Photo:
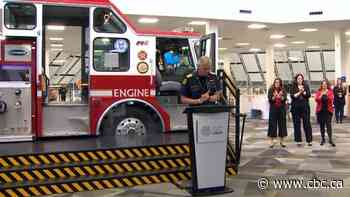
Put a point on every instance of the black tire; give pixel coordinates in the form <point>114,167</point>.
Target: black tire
<point>148,120</point>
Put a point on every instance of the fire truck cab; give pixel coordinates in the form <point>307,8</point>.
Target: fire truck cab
<point>74,67</point>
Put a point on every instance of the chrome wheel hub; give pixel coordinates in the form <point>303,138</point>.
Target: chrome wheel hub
<point>131,126</point>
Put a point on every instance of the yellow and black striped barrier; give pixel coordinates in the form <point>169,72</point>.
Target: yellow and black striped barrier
<point>89,185</point>
<point>88,169</point>
<point>75,171</point>
<point>97,155</point>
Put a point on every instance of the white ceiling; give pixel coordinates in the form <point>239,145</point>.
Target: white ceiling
<point>237,31</point>
<point>272,11</point>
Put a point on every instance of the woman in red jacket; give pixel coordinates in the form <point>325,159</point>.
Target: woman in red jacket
<point>324,109</point>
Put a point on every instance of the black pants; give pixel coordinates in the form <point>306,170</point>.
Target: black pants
<point>325,120</point>
<point>304,114</point>
<point>277,119</point>
<point>339,112</point>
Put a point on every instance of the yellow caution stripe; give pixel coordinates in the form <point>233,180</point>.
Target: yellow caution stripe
<point>59,188</point>
<point>97,155</point>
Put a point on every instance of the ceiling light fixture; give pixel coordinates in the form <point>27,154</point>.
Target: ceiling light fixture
<point>347,33</point>
<point>56,45</point>
<point>256,26</point>
<point>277,36</point>
<point>222,49</point>
<point>291,58</point>
<point>308,29</point>
<point>55,39</point>
<point>298,42</point>
<point>56,27</point>
<point>314,47</point>
<point>148,20</point>
<point>198,23</point>
<point>279,45</point>
<point>60,61</point>
<point>242,44</point>
<point>254,50</point>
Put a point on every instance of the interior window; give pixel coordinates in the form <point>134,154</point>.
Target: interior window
<point>174,58</point>
<point>107,22</point>
<point>20,16</point>
<point>65,65</point>
<point>111,54</point>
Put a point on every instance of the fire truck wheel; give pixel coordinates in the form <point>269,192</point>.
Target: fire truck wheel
<point>135,122</point>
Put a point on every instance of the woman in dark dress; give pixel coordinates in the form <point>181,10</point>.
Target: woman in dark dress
<point>339,93</point>
<point>300,109</point>
<point>277,118</point>
<point>324,110</point>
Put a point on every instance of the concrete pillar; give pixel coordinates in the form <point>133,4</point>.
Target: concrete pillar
<point>269,66</point>
<point>340,54</point>
<point>212,27</point>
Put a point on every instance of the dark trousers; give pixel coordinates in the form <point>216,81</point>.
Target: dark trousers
<point>304,114</point>
<point>339,112</point>
<point>325,120</point>
<point>277,119</point>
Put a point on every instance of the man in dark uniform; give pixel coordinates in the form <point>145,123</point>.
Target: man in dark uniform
<point>201,87</point>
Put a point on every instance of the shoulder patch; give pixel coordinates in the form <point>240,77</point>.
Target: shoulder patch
<point>189,75</point>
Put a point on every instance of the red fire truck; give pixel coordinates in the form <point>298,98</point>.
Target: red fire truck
<point>79,67</point>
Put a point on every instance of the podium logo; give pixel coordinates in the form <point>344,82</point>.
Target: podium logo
<point>211,131</point>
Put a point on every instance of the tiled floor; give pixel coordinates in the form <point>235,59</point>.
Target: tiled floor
<point>258,160</point>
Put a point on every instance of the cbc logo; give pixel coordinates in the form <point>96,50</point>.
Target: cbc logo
<point>263,183</point>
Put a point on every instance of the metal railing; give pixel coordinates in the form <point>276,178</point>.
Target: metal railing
<point>230,89</point>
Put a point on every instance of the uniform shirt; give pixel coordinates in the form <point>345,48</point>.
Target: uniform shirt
<point>193,86</point>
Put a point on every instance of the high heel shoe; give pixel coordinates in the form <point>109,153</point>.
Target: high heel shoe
<point>282,145</point>
<point>332,144</point>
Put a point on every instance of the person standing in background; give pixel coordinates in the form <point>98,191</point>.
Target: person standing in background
<point>277,117</point>
<point>324,110</point>
<point>339,92</point>
<point>300,109</point>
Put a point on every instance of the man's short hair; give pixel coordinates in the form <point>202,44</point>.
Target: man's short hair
<point>204,60</point>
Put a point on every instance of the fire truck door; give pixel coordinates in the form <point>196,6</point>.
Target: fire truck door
<point>208,48</point>
<point>64,105</point>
